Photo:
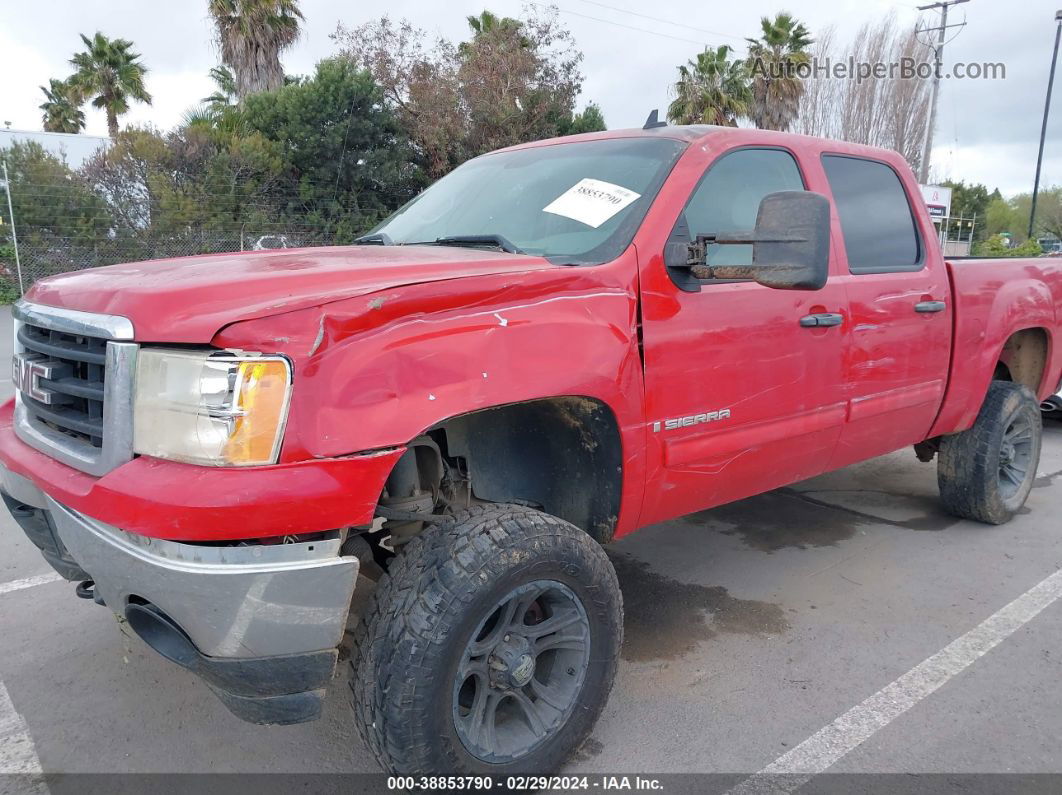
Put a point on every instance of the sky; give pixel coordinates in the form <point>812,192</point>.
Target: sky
<point>987,131</point>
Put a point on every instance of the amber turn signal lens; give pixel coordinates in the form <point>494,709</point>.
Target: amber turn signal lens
<point>260,408</point>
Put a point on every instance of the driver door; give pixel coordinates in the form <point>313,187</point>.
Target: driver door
<point>740,397</point>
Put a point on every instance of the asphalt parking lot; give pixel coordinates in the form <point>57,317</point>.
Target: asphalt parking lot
<point>750,629</point>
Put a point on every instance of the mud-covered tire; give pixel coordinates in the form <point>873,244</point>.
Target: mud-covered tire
<point>973,474</point>
<point>434,601</point>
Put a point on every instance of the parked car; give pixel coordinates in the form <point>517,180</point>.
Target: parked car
<point>268,242</point>
<point>554,345</point>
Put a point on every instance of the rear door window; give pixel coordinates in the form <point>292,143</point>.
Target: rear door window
<point>876,218</point>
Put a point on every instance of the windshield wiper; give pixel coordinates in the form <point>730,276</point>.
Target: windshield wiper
<point>477,241</point>
<point>377,239</point>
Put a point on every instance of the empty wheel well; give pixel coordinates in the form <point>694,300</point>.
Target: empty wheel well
<point>1023,358</point>
<point>561,454</point>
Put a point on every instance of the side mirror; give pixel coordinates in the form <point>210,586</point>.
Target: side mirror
<point>790,245</point>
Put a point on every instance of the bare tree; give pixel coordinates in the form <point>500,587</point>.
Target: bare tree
<point>515,80</point>
<point>890,111</point>
<point>419,79</point>
<point>820,103</point>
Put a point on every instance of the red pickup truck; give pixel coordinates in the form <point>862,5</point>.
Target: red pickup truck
<point>551,347</point>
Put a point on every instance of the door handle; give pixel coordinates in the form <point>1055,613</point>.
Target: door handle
<point>929,307</point>
<point>821,319</point>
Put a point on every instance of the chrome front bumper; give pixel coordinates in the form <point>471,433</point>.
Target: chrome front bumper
<point>245,601</point>
<point>236,604</point>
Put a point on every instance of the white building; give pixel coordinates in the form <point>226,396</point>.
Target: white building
<point>75,149</point>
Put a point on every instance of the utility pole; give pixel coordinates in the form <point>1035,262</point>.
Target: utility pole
<point>14,237</point>
<point>1043,127</point>
<point>938,60</point>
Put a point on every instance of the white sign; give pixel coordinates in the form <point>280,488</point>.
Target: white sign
<point>937,199</point>
<point>591,201</point>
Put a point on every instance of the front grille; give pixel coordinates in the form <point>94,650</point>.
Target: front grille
<point>70,400</point>
<point>74,373</point>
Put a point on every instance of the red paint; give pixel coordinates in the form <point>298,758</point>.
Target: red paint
<point>167,499</point>
<point>188,299</point>
<point>388,341</point>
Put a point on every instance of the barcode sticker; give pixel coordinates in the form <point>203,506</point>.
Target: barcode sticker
<point>591,201</point>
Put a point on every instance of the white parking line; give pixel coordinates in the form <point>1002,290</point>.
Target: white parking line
<point>28,582</point>
<point>817,753</point>
<point>18,755</point>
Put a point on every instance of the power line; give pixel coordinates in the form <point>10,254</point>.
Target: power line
<point>621,25</point>
<point>683,25</point>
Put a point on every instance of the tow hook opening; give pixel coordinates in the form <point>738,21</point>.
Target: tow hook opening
<point>162,633</point>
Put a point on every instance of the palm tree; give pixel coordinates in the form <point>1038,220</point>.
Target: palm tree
<point>62,107</point>
<point>251,36</point>
<point>488,21</point>
<point>111,73</point>
<point>488,24</point>
<point>773,61</point>
<point>711,90</point>
<point>225,94</point>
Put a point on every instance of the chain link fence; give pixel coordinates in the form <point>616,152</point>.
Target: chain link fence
<point>54,219</point>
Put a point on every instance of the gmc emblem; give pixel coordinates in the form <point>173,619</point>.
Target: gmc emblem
<point>27,372</point>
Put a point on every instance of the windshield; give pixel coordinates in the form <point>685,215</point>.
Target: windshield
<point>577,203</point>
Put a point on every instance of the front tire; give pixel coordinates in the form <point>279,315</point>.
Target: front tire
<point>488,648</point>
<point>985,473</point>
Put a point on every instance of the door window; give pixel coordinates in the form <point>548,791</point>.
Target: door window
<point>729,195</point>
<point>876,218</point>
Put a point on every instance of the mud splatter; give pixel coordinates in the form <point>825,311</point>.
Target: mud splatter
<point>665,618</point>
<point>588,750</point>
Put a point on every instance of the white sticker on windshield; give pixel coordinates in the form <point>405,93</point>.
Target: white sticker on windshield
<point>591,201</point>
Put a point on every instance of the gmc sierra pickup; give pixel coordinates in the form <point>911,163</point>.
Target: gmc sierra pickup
<point>552,346</point>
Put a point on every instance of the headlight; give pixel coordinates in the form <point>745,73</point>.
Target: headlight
<point>206,407</point>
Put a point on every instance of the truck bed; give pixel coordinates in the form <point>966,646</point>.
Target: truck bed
<point>994,298</point>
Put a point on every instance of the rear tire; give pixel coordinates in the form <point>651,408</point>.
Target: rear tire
<point>985,473</point>
<point>506,615</point>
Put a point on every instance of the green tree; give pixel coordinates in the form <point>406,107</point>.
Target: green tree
<point>251,35</point>
<point>55,209</point>
<point>1048,211</point>
<point>1000,216</point>
<point>111,73</point>
<point>488,21</point>
<point>62,107</point>
<point>970,201</point>
<point>9,290</point>
<point>225,95</point>
<point>346,158</point>
<point>590,120</point>
<point>128,174</point>
<point>220,110</point>
<point>513,81</point>
<point>773,60</point>
<point>996,246</point>
<point>488,24</point>
<point>712,89</point>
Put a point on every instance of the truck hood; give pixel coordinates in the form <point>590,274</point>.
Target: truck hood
<point>190,299</point>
